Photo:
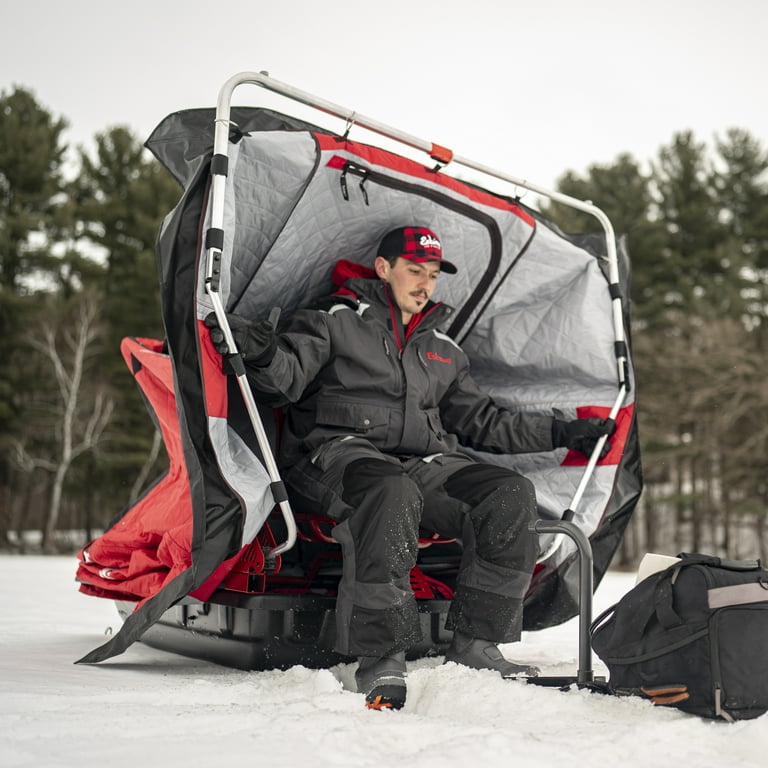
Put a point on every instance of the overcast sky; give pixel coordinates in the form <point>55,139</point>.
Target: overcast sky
<point>533,89</point>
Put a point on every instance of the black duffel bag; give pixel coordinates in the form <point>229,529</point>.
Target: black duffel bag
<point>693,636</point>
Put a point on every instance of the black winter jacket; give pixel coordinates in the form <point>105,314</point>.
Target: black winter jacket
<point>350,368</point>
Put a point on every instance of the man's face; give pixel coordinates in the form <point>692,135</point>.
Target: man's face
<point>411,284</point>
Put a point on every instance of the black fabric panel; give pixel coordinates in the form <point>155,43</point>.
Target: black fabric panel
<point>555,598</point>
<point>183,140</point>
<point>217,516</point>
<point>484,615</point>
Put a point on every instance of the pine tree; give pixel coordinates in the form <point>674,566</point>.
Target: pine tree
<point>31,184</point>
<point>742,191</point>
<point>622,191</point>
<point>122,196</point>
<point>31,156</point>
<point>696,270</point>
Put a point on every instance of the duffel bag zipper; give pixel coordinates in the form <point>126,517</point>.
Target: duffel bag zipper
<point>714,650</point>
<point>714,662</point>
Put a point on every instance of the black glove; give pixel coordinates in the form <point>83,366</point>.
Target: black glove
<point>256,342</point>
<point>582,434</point>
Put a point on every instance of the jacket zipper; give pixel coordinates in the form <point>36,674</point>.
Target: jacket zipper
<point>395,321</point>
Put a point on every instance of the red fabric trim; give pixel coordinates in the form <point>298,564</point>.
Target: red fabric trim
<point>216,403</point>
<point>418,317</point>
<point>344,270</point>
<point>217,406</point>
<point>618,439</point>
<point>211,584</point>
<point>150,545</point>
<point>337,162</point>
<point>390,161</point>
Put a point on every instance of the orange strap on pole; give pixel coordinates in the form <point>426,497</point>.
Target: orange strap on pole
<point>441,154</point>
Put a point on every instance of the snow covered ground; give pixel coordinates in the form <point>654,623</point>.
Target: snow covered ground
<point>150,708</point>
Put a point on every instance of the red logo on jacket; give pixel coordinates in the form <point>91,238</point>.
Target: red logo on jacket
<point>434,356</point>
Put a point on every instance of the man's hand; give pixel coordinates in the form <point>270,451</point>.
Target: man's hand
<point>256,342</point>
<point>582,434</point>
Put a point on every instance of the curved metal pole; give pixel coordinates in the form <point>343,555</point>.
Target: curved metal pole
<point>435,151</point>
<point>569,513</point>
<point>584,672</point>
<point>277,488</point>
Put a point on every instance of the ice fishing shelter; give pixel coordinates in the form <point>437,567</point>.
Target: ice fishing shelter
<point>271,205</point>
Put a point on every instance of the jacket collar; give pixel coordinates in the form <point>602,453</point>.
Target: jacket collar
<point>376,293</point>
<point>358,283</point>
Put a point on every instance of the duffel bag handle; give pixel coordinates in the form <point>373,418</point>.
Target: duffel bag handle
<point>663,594</point>
<point>660,603</point>
<point>687,558</point>
<point>605,616</point>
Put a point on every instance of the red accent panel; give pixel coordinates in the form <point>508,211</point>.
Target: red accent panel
<point>426,587</point>
<point>390,161</point>
<point>245,572</point>
<point>337,162</point>
<point>617,441</point>
<point>215,380</point>
<point>150,545</point>
<point>344,269</point>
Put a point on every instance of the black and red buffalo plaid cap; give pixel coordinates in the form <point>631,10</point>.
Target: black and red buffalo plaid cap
<point>417,244</point>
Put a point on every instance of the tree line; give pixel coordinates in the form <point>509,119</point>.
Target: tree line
<point>78,273</point>
<point>697,226</point>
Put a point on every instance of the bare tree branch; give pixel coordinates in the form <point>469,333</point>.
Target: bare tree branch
<point>82,418</point>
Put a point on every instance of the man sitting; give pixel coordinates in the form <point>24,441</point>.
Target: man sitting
<point>378,400</point>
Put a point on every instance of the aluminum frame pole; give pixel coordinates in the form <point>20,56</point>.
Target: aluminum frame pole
<point>441,155</point>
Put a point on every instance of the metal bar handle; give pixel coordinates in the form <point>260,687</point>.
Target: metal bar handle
<point>584,673</point>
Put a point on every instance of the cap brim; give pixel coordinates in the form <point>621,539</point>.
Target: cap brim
<point>445,266</point>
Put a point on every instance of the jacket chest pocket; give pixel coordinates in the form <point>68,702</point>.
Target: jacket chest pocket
<point>433,372</point>
<point>356,418</point>
<point>435,422</point>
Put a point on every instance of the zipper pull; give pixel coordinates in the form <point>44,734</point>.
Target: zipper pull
<point>363,190</point>
<point>719,711</point>
<point>343,182</point>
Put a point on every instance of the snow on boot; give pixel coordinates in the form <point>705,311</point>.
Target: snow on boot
<point>483,654</point>
<point>382,680</point>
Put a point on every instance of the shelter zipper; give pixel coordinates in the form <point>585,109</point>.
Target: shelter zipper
<point>358,170</point>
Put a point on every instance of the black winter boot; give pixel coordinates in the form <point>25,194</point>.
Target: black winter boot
<point>382,680</point>
<point>483,654</point>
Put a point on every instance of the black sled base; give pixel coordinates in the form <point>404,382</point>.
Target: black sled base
<point>260,632</point>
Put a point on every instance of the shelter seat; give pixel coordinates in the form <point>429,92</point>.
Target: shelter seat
<point>319,527</point>
<point>252,573</point>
